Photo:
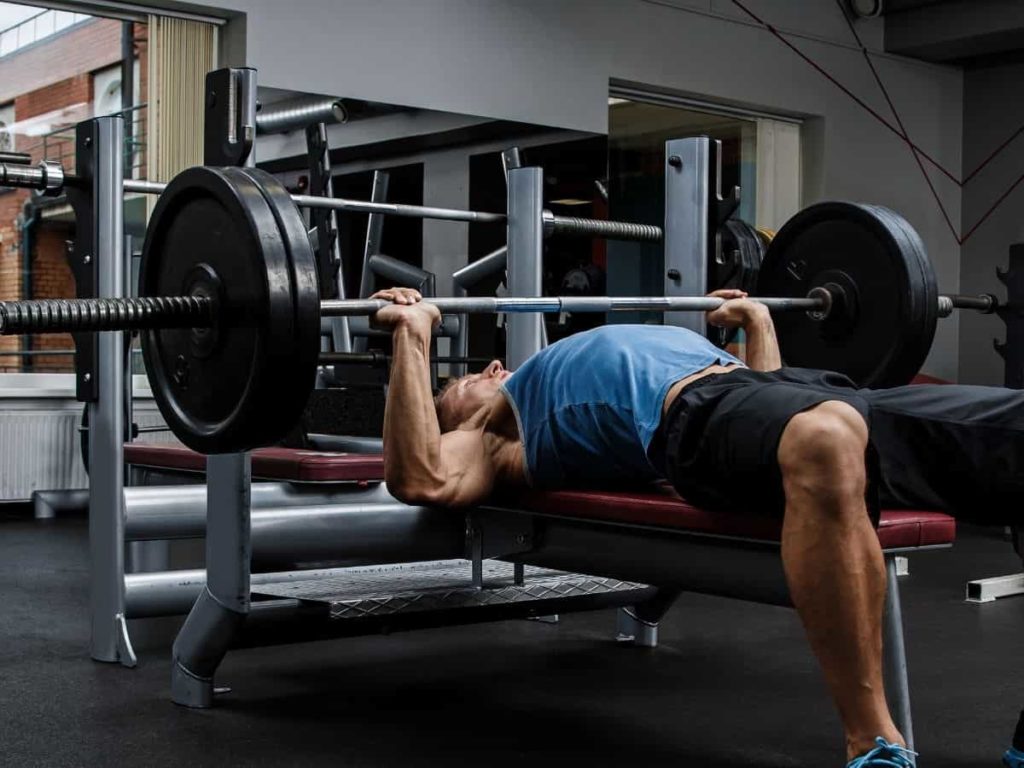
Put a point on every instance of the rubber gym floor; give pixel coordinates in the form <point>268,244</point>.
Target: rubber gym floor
<point>732,684</point>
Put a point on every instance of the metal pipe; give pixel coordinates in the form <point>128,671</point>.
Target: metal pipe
<point>290,539</point>
<point>398,271</point>
<point>609,230</point>
<point>47,177</point>
<point>377,357</point>
<point>525,237</point>
<point>485,266</point>
<point>49,504</point>
<point>555,304</point>
<point>172,593</point>
<point>221,607</point>
<point>144,187</point>
<point>985,303</point>
<point>109,640</point>
<point>179,511</point>
<point>552,224</point>
<point>300,113</point>
<point>76,315</point>
<point>397,209</point>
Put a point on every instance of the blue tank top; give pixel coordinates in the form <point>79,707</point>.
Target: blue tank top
<point>589,405</point>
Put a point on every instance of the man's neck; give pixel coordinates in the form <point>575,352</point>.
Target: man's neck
<point>497,420</point>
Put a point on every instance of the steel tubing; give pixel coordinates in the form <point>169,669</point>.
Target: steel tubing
<point>610,230</point>
<point>301,112</point>
<point>72,315</point>
<point>76,315</point>
<point>290,539</point>
<point>485,266</point>
<point>986,303</point>
<point>397,209</point>
<point>554,304</point>
<point>179,511</point>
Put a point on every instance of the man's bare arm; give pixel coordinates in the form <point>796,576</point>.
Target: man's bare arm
<point>762,345</point>
<point>740,312</point>
<point>422,466</point>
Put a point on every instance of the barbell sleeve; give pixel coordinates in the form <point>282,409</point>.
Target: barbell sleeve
<point>609,230</point>
<point>47,177</point>
<point>84,315</point>
<point>985,303</point>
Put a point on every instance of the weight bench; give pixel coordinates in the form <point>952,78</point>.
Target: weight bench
<point>651,542</point>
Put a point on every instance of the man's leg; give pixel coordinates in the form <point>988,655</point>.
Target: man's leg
<point>834,564</point>
<point>955,448</point>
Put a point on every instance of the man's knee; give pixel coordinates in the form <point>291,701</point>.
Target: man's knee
<point>822,451</point>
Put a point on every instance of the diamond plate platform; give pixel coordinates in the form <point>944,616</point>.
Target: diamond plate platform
<point>389,591</point>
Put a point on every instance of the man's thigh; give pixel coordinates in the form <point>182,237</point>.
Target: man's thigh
<point>722,446</point>
<point>955,448</point>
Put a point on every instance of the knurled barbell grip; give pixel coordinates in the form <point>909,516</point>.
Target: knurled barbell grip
<point>610,230</point>
<point>84,315</point>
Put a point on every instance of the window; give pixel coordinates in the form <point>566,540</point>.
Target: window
<point>760,154</point>
<point>41,102</point>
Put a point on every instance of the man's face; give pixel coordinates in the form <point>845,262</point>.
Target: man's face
<point>469,393</point>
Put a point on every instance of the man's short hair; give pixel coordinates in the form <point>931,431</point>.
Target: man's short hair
<point>445,419</point>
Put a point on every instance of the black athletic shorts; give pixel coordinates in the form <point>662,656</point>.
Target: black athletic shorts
<point>958,449</point>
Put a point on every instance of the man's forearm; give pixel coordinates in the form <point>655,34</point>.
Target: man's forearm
<point>412,437</point>
<point>762,346</point>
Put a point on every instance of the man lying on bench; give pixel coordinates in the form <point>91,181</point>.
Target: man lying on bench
<point>634,403</point>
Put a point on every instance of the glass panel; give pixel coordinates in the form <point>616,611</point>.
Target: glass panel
<point>637,132</point>
<point>35,247</point>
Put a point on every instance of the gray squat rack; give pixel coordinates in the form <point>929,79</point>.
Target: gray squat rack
<point>118,515</point>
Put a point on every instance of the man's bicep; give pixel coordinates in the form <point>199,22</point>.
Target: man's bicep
<point>468,467</point>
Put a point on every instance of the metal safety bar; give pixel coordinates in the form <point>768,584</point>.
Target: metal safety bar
<point>986,303</point>
<point>49,178</point>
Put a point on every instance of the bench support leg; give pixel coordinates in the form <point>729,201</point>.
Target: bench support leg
<point>897,687</point>
<point>638,624</point>
<point>222,607</point>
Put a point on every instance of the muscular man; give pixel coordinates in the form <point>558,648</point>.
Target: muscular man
<point>634,403</point>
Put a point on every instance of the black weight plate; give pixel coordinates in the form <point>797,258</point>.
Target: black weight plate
<point>741,251</point>
<point>213,232</point>
<point>917,346</point>
<point>882,337</point>
<point>296,384</point>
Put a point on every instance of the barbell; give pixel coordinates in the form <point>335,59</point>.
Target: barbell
<point>229,307</point>
<point>49,178</point>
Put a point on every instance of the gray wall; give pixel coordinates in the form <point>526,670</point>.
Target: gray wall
<point>993,111</point>
<point>550,62</point>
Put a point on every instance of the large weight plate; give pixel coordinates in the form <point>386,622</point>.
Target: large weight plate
<point>299,382</point>
<point>213,231</point>
<point>881,335</point>
<point>735,265</point>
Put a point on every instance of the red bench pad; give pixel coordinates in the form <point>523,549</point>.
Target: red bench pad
<point>659,506</point>
<point>290,464</point>
<point>664,508</point>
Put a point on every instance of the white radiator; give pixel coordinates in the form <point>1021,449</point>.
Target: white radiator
<point>39,437</point>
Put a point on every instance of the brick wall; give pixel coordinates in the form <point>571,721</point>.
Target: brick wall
<point>63,93</point>
<point>52,279</point>
<point>141,34</point>
<point>52,75</point>
<point>87,47</point>
<point>10,267</point>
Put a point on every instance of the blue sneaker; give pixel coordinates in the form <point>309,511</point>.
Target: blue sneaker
<point>1013,758</point>
<point>887,755</point>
